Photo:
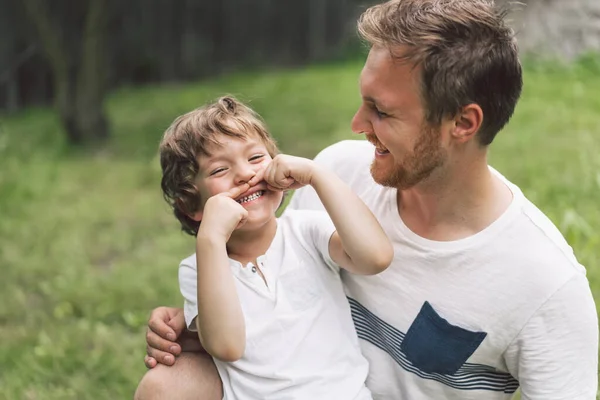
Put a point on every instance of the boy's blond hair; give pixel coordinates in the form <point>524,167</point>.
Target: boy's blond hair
<point>190,136</point>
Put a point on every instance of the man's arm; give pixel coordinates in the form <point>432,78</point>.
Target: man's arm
<point>555,356</point>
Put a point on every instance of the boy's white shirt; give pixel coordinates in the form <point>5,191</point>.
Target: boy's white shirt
<point>517,281</point>
<point>301,342</point>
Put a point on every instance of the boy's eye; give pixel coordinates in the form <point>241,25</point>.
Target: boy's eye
<point>216,171</point>
<point>256,157</point>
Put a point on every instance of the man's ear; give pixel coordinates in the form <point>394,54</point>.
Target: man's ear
<point>467,122</point>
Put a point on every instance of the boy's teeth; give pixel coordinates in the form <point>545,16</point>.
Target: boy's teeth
<point>253,196</point>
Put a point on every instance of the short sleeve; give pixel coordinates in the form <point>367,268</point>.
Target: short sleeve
<point>323,229</point>
<point>316,229</point>
<point>188,285</point>
<point>555,356</point>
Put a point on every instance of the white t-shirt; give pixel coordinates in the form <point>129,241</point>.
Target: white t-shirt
<point>473,318</point>
<point>300,340</point>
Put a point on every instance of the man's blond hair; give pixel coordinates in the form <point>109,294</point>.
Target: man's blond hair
<point>464,50</point>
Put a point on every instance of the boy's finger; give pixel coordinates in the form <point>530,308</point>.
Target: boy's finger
<point>270,173</point>
<point>260,175</point>
<point>284,182</point>
<point>237,191</point>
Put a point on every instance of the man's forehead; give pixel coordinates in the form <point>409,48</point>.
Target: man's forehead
<point>383,75</point>
<point>373,81</point>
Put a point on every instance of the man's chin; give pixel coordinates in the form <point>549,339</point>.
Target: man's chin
<point>388,177</point>
<point>382,176</point>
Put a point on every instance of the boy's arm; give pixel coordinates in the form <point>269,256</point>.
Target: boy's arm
<point>220,320</point>
<point>359,245</point>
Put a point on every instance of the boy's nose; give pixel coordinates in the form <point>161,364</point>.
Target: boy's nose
<point>245,175</point>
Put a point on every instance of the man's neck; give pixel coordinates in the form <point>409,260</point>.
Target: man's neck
<point>455,203</point>
<point>246,245</point>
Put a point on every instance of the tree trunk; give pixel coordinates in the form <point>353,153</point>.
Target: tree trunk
<point>79,79</point>
<point>91,87</point>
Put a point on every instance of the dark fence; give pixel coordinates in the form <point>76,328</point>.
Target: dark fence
<point>173,40</point>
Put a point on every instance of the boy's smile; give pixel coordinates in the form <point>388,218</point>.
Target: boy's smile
<point>252,195</point>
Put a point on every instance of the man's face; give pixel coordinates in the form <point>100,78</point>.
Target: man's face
<point>392,118</point>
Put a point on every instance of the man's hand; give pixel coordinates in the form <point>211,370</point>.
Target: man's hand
<point>164,328</point>
<point>289,172</point>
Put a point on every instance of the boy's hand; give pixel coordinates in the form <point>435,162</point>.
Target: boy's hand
<point>289,172</point>
<point>222,214</point>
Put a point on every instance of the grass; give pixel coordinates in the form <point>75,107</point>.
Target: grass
<point>88,247</point>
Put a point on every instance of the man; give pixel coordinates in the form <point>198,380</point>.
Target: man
<point>484,295</point>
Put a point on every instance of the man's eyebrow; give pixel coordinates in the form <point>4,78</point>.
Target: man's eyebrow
<point>377,104</point>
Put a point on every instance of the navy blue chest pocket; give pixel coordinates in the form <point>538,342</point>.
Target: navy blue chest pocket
<point>433,345</point>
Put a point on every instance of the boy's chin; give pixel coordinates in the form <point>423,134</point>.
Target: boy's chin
<point>258,220</point>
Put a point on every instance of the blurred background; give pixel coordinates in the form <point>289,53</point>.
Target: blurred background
<point>87,245</point>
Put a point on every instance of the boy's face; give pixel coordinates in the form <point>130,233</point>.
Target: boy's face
<point>232,164</point>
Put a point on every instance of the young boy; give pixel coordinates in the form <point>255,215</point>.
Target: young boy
<point>264,294</point>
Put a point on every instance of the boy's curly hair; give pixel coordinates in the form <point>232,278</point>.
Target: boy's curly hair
<point>188,137</point>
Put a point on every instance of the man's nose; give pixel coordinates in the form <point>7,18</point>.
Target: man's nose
<point>360,124</point>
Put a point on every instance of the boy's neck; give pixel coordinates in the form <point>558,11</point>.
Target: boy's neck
<point>246,245</point>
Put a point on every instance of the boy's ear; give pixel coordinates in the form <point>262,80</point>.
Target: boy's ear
<point>197,216</point>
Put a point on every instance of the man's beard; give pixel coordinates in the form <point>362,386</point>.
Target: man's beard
<point>414,167</point>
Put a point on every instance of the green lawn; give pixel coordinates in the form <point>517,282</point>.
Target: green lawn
<point>88,247</point>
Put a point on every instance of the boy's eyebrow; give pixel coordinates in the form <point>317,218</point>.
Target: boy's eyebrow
<point>212,158</point>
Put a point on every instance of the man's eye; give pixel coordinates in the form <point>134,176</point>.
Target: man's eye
<point>379,113</point>
<point>256,157</point>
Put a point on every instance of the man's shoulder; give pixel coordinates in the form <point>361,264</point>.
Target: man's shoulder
<point>542,242</point>
<point>300,216</point>
<point>346,152</point>
<point>303,222</point>
<point>548,243</point>
<point>349,159</point>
